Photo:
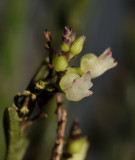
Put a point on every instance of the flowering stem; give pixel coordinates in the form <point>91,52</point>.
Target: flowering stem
<point>47,36</point>
<point>62,119</point>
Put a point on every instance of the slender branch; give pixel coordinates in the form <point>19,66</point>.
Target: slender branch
<point>47,36</point>
<point>62,119</point>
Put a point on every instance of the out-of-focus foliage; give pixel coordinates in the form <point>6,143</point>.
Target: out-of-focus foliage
<point>107,117</point>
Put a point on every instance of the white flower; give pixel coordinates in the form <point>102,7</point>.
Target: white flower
<point>97,65</point>
<point>76,87</point>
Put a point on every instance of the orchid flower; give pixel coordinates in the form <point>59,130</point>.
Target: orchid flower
<point>76,87</point>
<point>97,65</point>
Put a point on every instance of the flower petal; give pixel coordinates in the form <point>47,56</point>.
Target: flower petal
<point>67,79</point>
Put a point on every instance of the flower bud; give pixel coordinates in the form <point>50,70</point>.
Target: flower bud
<point>77,45</point>
<point>78,148</point>
<point>59,62</point>
<point>65,47</point>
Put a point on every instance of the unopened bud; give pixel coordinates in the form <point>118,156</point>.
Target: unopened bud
<point>78,148</point>
<point>65,47</point>
<point>77,45</point>
<point>59,62</point>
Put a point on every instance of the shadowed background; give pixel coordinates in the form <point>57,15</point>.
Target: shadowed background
<point>108,116</point>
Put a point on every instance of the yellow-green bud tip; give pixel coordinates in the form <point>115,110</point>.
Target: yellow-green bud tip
<point>64,47</point>
<point>77,45</point>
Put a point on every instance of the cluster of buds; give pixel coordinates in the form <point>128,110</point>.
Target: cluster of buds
<point>68,39</point>
<point>70,44</point>
<point>69,48</point>
<point>76,82</point>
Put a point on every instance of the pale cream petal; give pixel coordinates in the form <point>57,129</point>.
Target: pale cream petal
<point>67,79</point>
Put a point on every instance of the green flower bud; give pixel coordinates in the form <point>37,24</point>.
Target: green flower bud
<point>77,45</point>
<point>59,62</point>
<point>78,148</point>
<point>64,47</point>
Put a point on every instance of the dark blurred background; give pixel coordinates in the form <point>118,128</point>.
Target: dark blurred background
<point>108,116</point>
